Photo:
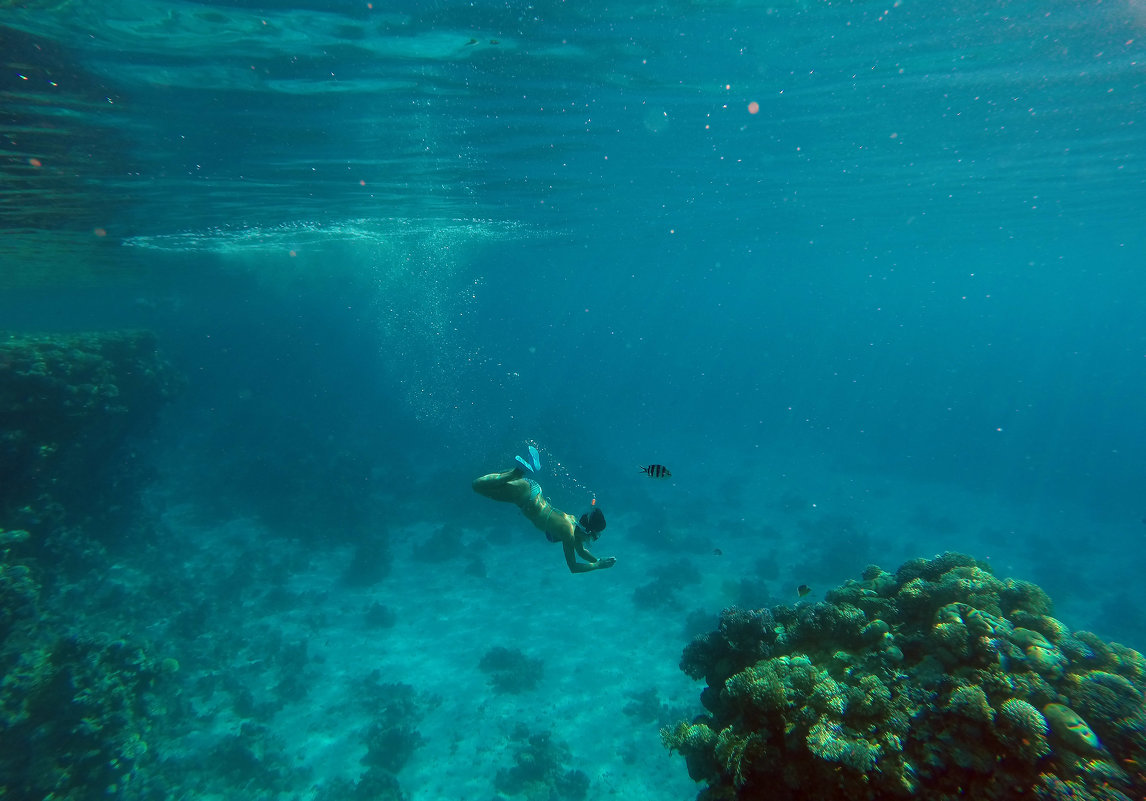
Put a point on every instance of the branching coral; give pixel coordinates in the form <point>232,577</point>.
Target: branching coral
<point>1024,729</point>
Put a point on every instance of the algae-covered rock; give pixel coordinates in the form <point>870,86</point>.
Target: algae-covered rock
<point>1069,727</point>
<point>1108,699</point>
<point>1046,660</point>
<point>971,702</point>
<point>10,538</point>
<point>984,699</point>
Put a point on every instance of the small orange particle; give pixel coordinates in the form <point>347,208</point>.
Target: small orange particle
<point>753,107</point>
<point>35,162</point>
<point>362,182</point>
<point>99,231</point>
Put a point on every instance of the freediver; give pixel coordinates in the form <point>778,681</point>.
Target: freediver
<point>515,486</point>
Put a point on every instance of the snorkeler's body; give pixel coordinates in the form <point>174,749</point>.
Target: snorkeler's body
<point>513,487</point>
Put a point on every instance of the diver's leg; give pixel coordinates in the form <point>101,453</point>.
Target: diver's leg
<point>509,486</point>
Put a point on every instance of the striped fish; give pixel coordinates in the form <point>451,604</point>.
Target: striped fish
<point>656,471</point>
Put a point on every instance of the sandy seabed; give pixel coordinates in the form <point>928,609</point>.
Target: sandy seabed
<point>597,647</point>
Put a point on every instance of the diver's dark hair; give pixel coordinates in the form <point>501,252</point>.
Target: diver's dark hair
<point>593,521</point>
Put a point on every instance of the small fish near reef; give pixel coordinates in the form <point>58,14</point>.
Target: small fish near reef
<point>803,590</point>
<point>656,471</point>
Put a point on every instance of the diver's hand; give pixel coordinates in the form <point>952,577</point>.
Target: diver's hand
<point>608,561</point>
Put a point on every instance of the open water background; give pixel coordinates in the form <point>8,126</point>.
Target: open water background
<point>884,257</point>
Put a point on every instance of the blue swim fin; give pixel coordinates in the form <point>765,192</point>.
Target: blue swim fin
<point>535,456</point>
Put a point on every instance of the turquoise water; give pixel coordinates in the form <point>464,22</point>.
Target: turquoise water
<point>868,277</point>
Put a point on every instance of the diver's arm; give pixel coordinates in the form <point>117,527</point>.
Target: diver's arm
<point>598,564</point>
<point>585,567</point>
<point>571,560</point>
<point>583,552</point>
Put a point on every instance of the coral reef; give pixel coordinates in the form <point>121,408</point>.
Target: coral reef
<point>395,709</point>
<point>68,404</point>
<point>389,746</point>
<point>939,681</point>
<point>369,563</point>
<point>78,715</point>
<point>391,738</point>
<point>668,579</point>
<point>443,545</point>
<point>646,706</point>
<point>379,616</point>
<point>510,671</point>
<point>79,711</point>
<point>374,785</point>
<point>19,596</point>
<point>251,758</point>
<point>539,770</point>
